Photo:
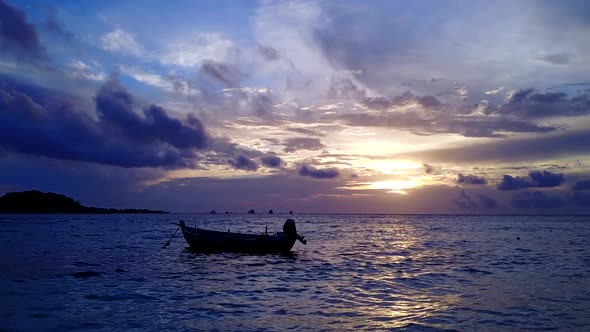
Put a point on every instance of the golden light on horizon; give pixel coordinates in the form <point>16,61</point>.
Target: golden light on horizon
<point>395,186</point>
<point>392,186</point>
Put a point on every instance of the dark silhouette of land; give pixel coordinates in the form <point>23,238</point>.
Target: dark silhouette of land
<point>38,202</point>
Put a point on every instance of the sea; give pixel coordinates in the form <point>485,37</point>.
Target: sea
<point>357,272</point>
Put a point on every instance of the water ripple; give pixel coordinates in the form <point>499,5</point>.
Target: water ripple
<point>403,273</point>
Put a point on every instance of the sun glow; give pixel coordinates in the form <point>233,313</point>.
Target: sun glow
<point>395,186</point>
<point>392,186</point>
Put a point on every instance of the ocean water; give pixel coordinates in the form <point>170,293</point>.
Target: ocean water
<point>357,272</point>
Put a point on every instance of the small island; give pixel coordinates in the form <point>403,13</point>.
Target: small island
<point>35,201</point>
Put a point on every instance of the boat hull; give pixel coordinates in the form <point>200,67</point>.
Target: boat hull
<point>213,241</point>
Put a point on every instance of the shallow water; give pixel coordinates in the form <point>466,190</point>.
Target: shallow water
<point>109,273</point>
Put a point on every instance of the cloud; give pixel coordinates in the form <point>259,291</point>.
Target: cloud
<point>199,48</point>
<point>38,122</point>
<point>328,173</point>
<point>81,70</point>
<point>305,131</point>
<point>556,58</point>
<point>154,80</point>
<point>225,73</point>
<point>529,104</point>
<point>17,36</point>
<point>536,200</point>
<point>429,102</point>
<point>121,41</point>
<point>428,169</point>
<point>486,202</point>
<point>55,26</point>
<point>468,126</point>
<point>269,53</point>
<point>271,161</point>
<point>511,150</point>
<point>470,179</point>
<point>427,115</point>
<point>115,110</point>
<point>302,143</point>
<point>344,87</point>
<point>464,201</point>
<point>582,185</point>
<point>513,183</point>
<point>537,179</point>
<point>244,163</point>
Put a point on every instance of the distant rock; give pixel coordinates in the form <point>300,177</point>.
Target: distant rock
<point>251,212</point>
<point>270,211</point>
<point>290,212</point>
<point>212,212</point>
<point>35,201</point>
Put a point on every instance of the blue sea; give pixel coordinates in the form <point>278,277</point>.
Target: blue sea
<point>357,272</point>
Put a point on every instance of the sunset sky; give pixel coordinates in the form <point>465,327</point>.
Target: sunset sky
<point>327,106</point>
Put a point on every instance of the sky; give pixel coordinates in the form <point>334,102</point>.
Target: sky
<point>319,107</point>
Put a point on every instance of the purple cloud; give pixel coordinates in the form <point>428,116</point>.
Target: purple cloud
<point>470,179</point>
<point>328,173</point>
<point>17,36</point>
<point>271,161</point>
<point>536,179</point>
<point>38,122</point>
<point>244,163</point>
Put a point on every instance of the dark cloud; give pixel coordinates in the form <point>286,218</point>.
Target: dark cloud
<point>305,131</point>
<point>115,105</point>
<point>468,126</point>
<point>39,122</point>
<point>536,179</point>
<point>429,102</point>
<point>580,199</point>
<point>302,143</point>
<point>228,75</point>
<point>470,179</point>
<point>434,117</point>
<point>537,200</point>
<point>344,87</point>
<point>428,169</point>
<point>386,103</point>
<point>327,173</point>
<point>511,150</point>
<point>262,104</point>
<point>486,202</point>
<point>269,53</point>
<point>546,179</point>
<point>556,58</point>
<point>529,104</point>
<point>271,161</point>
<point>17,36</point>
<point>464,201</point>
<point>514,183</point>
<point>244,163</point>
<point>582,185</point>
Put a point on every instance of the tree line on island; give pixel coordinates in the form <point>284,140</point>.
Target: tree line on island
<point>34,201</point>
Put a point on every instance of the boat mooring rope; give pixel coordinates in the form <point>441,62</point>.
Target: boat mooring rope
<point>168,243</point>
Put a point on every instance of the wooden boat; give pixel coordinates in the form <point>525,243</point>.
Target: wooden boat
<point>215,241</point>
